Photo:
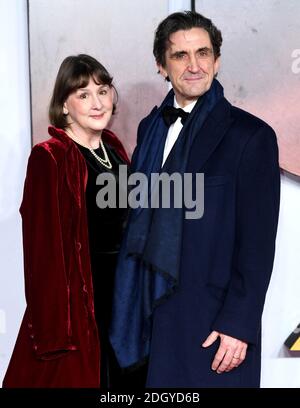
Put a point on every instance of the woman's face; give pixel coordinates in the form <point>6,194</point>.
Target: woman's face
<point>89,109</point>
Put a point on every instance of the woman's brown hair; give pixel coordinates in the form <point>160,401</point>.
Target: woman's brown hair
<point>74,73</point>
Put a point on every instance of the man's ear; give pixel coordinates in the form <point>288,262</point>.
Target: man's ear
<point>217,64</point>
<point>161,70</point>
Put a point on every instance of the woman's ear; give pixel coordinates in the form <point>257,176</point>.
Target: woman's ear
<point>65,109</point>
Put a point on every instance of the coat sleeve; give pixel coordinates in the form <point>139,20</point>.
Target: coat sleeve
<point>135,154</point>
<point>258,196</point>
<point>143,125</point>
<point>46,285</point>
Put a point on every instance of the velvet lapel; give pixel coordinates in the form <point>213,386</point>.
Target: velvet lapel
<point>75,167</point>
<point>111,139</point>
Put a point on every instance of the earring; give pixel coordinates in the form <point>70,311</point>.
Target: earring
<point>65,111</point>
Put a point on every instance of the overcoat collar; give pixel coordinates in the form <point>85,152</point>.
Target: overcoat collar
<point>212,132</point>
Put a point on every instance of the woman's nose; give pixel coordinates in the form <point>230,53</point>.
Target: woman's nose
<point>96,102</point>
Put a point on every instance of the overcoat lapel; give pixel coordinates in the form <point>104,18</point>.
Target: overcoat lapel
<point>211,134</point>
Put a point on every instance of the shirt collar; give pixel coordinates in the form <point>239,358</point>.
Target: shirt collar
<point>187,108</point>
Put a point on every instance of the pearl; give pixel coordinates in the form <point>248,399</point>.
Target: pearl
<point>105,162</point>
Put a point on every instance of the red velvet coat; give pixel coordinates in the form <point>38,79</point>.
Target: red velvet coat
<point>58,343</point>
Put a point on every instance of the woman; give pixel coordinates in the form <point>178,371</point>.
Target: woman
<point>70,245</point>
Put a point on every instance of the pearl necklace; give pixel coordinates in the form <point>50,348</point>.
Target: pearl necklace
<point>105,162</point>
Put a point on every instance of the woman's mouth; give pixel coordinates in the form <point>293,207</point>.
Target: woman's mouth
<point>97,117</point>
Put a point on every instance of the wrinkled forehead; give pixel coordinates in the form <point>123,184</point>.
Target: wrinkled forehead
<point>189,39</point>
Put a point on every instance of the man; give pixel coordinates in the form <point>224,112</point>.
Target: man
<point>190,292</point>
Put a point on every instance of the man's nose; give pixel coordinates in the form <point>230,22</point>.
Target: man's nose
<point>193,64</point>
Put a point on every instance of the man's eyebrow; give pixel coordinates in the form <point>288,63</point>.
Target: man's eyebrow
<point>204,49</point>
<point>178,52</point>
<point>185,52</point>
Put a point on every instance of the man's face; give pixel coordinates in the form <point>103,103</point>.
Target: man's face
<point>190,64</point>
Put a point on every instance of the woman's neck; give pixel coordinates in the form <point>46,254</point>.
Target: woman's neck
<point>87,139</point>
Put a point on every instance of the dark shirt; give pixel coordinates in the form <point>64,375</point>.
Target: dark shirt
<point>105,225</point>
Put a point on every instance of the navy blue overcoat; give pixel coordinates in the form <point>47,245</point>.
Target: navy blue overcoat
<point>227,255</point>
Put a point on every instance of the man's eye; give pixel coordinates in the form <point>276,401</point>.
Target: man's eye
<point>179,55</point>
<point>205,53</point>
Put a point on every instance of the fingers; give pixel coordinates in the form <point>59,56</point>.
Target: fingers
<point>218,358</point>
<point>231,352</point>
<point>244,351</point>
<point>211,339</point>
<point>235,362</point>
<point>230,355</point>
<point>225,363</point>
<point>237,358</point>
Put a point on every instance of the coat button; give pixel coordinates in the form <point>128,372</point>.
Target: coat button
<point>32,336</point>
<point>29,326</point>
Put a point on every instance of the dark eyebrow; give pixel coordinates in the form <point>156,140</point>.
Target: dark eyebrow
<point>100,87</point>
<point>204,49</point>
<point>173,54</point>
<point>182,52</point>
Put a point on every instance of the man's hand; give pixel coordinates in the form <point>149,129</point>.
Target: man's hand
<point>231,352</point>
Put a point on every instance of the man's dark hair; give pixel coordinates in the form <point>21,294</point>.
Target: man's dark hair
<point>183,21</point>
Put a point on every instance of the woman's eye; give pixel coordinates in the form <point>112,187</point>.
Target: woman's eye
<point>103,91</point>
<point>83,96</point>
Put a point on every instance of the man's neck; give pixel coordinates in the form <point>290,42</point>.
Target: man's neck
<point>186,108</point>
